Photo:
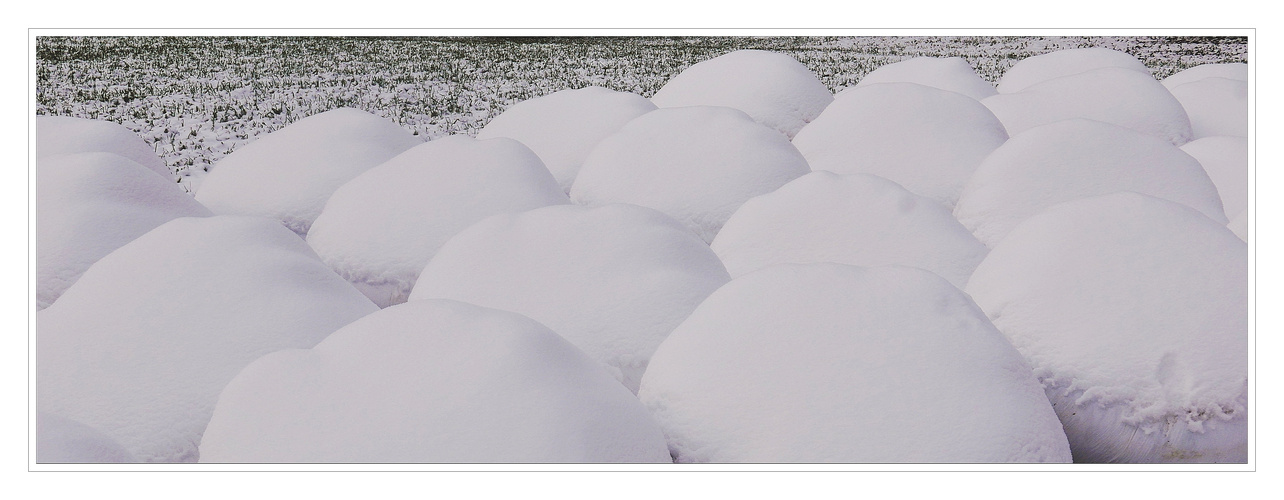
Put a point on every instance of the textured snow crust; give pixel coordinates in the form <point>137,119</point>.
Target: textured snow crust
<point>1132,311</point>
<point>1233,71</point>
<point>926,139</point>
<point>431,381</point>
<point>289,174</point>
<point>1226,161</point>
<point>613,280</point>
<point>57,135</point>
<point>1216,106</point>
<point>563,127</point>
<point>60,440</point>
<point>945,73</point>
<point>140,347</point>
<point>380,229</point>
<point>1041,68</point>
<point>772,88</point>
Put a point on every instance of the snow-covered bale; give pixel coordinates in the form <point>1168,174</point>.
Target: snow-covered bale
<point>926,139</point>
<point>380,229</point>
<point>696,164</point>
<point>289,174</point>
<point>1132,311</point>
<point>833,363</point>
<point>946,73</point>
<point>773,88</point>
<point>56,135</point>
<point>1216,106</point>
<point>1114,95</point>
<point>858,219</point>
<point>140,347</point>
<point>90,204</point>
<point>1233,71</point>
<point>60,440</point>
<point>563,127</point>
<point>1226,161</point>
<point>1041,68</point>
<point>1074,159</point>
<point>1239,225</point>
<point>431,381</point>
<point>613,280</point>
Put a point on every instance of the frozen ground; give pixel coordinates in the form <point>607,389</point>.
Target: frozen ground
<point>197,99</point>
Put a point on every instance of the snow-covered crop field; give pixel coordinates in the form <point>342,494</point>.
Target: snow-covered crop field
<point>981,250</point>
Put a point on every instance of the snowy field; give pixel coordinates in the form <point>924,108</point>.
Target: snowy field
<point>986,250</point>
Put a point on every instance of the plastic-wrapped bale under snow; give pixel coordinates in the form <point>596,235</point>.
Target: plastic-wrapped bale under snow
<point>58,135</point>
<point>1216,106</point>
<point>1226,161</point>
<point>1233,71</point>
<point>946,73</point>
<point>1043,67</point>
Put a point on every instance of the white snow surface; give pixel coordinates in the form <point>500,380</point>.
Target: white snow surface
<point>57,135</point>
<point>1041,68</point>
<point>858,219</point>
<point>946,73</point>
<point>613,280</point>
<point>60,440</point>
<point>926,139</point>
<point>380,229</point>
<point>431,381</point>
<point>773,88</point>
<point>1075,159</point>
<point>823,363</point>
<point>1239,225</point>
<point>140,347</point>
<point>1132,311</point>
<point>1216,106</point>
<point>89,204</point>
<point>563,127</point>
<point>1234,71</point>
<point>696,164</point>
<point>1226,161</point>
<point>289,174</point>
<point>1120,96</point>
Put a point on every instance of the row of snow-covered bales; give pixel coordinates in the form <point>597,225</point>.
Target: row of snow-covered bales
<point>745,268</point>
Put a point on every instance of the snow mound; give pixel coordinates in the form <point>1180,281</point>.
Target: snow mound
<point>824,363</point>
<point>140,347</point>
<point>379,230</point>
<point>563,127</point>
<point>289,174</point>
<point>431,381</point>
<point>92,203</point>
<point>1113,95</point>
<point>946,73</point>
<point>1074,159</point>
<point>696,164</point>
<point>1041,68</point>
<point>1133,312</point>
<point>613,280</point>
<point>928,140</point>
<point>1216,106</point>
<point>57,135</point>
<point>859,219</point>
<point>1233,71</point>
<point>1239,225</point>
<point>60,440</point>
<point>1226,161</point>
<point>773,88</point>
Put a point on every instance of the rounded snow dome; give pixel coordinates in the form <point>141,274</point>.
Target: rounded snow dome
<point>772,88</point>
<point>1226,161</point>
<point>56,135</point>
<point>1133,312</point>
<point>613,280</point>
<point>289,174</point>
<point>822,363</point>
<point>1239,225</point>
<point>925,139</point>
<point>379,230</point>
<point>1041,68</point>
<point>140,347</point>
<point>60,440</point>
<point>946,73</point>
<point>1216,106</point>
<point>1120,96</point>
<point>90,204</point>
<point>696,164</point>
<point>858,219</point>
<point>1233,71</point>
<point>563,127</point>
<point>431,381</point>
<point>1074,159</point>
